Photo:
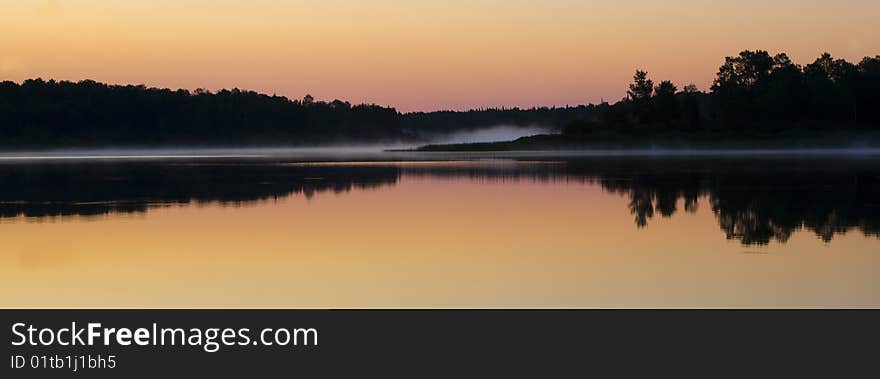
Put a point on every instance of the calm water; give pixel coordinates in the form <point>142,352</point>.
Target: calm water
<point>441,231</point>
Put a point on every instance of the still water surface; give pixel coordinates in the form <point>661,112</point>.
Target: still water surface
<point>448,231</point>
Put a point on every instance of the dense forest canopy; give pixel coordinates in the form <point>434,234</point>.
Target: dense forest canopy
<point>88,113</point>
<point>752,92</point>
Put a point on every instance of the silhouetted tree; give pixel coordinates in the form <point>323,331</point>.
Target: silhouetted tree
<point>639,94</point>
<point>665,102</point>
<point>641,87</point>
<point>690,88</point>
<point>690,115</point>
<point>867,91</point>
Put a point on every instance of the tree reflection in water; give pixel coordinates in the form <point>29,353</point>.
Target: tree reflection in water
<point>754,201</point>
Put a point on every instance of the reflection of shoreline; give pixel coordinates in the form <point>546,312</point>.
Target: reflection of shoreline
<point>755,201</point>
<point>47,191</point>
<point>405,154</point>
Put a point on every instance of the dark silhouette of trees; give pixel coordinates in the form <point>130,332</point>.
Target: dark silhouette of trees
<point>665,103</point>
<point>752,88</point>
<point>754,93</point>
<point>755,90</point>
<point>40,113</point>
<point>49,113</point>
<point>441,122</point>
<point>641,88</point>
<point>867,91</point>
<point>690,108</point>
<point>308,100</point>
<point>639,94</point>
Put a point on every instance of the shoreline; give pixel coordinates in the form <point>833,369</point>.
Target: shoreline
<point>342,155</point>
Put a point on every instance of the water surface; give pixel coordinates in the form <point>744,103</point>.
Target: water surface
<point>441,231</point>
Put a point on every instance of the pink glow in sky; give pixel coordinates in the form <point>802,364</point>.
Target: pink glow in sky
<point>423,55</point>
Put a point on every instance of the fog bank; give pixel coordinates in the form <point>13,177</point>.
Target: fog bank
<point>489,134</point>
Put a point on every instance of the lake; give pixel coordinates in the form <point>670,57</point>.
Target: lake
<point>440,230</point>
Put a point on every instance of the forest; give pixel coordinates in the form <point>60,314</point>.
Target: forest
<point>754,94</point>
<point>48,113</point>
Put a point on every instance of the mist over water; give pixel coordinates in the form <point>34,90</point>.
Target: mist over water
<point>396,151</point>
<point>372,153</point>
<point>314,153</point>
<point>491,134</point>
<point>366,151</point>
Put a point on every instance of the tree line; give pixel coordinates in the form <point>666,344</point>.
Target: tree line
<point>87,113</point>
<point>754,92</point>
<point>38,113</point>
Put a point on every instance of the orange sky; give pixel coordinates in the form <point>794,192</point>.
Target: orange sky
<point>418,55</point>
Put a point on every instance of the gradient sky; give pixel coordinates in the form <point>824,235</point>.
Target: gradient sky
<point>418,55</point>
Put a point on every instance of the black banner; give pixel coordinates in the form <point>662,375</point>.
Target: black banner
<point>415,343</point>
